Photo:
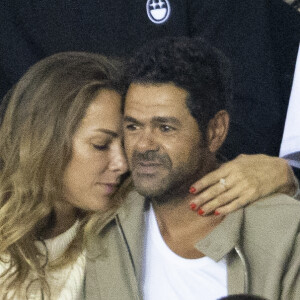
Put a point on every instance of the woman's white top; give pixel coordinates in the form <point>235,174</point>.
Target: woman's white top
<point>65,283</point>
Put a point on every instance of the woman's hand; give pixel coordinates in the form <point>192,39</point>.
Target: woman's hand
<point>240,182</point>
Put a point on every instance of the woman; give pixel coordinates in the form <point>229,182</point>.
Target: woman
<point>61,157</point>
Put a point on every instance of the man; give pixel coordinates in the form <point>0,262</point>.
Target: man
<point>175,121</point>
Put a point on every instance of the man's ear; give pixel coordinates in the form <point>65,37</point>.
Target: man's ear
<point>217,130</point>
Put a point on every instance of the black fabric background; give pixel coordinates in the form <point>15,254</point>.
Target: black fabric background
<point>261,37</point>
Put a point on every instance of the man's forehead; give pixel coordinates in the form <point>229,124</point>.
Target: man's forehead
<point>157,103</point>
<point>163,96</point>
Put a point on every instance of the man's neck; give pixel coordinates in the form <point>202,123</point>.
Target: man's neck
<point>182,228</point>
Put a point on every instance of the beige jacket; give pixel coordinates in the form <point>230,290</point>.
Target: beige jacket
<point>261,244</point>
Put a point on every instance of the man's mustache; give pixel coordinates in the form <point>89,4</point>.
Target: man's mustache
<point>151,156</point>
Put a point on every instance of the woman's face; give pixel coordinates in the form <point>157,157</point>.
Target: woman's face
<point>97,160</point>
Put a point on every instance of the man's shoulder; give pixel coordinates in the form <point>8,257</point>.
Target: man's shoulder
<point>278,204</point>
<point>272,221</point>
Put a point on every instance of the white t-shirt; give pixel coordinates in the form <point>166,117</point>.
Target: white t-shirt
<point>166,275</point>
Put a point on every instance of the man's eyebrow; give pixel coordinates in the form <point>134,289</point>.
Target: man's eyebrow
<point>172,120</point>
<point>109,132</point>
<point>130,119</point>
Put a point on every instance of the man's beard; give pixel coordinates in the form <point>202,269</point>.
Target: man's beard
<point>140,179</point>
<point>171,186</point>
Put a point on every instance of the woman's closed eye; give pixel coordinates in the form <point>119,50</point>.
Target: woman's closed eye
<point>101,147</point>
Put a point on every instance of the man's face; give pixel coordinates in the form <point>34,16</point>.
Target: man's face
<point>164,146</point>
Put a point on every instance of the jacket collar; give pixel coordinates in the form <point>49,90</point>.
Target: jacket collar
<point>223,238</point>
<point>129,219</point>
<point>132,222</point>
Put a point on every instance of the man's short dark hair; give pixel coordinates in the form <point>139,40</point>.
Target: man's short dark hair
<point>189,63</point>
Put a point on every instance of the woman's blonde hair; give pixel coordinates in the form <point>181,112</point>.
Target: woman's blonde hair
<point>38,119</point>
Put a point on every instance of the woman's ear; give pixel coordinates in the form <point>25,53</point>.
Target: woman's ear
<point>217,130</point>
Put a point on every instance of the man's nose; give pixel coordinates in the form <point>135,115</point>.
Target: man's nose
<point>146,141</point>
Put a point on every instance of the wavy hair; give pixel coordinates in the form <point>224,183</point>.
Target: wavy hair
<point>38,118</point>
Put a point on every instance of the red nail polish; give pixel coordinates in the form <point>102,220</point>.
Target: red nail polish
<point>193,206</point>
<point>192,190</point>
<point>216,213</point>
<point>200,212</point>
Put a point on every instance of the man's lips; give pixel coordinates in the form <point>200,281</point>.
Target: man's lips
<point>147,167</point>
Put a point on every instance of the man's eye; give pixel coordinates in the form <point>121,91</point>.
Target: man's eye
<point>101,147</point>
<point>131,127</point>
<point>166,128</point>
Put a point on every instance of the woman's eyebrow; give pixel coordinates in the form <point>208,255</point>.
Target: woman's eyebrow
<point>107,131</point>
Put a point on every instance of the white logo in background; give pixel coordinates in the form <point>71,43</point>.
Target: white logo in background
<point>158,10</point>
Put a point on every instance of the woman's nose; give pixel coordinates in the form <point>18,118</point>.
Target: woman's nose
<point>118,162</point>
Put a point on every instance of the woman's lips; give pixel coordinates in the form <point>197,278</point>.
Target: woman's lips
<point>109,187</point>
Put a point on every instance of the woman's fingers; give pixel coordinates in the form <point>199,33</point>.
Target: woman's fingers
<point>210,179</point>
<point>238,190</point>
<point>213,204</point>
<point>212,192</point>
<point>235,198</point>
<point>240,182</point>
<point>233,205</point>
